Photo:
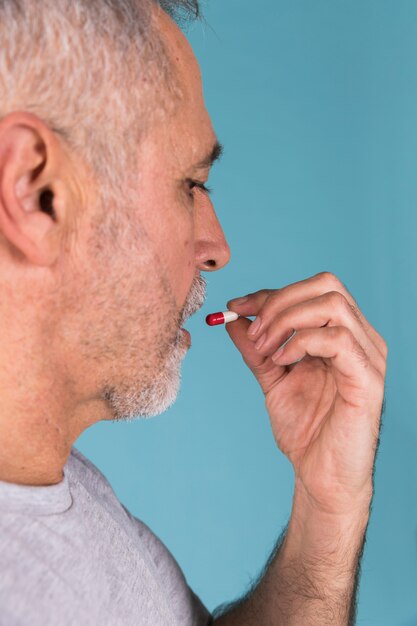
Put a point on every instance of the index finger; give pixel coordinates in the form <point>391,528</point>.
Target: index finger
<point>309,288</point>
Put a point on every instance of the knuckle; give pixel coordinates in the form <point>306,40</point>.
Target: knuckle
<point>356,311</point>
<point>341,334</point>
<point>380,382</point>
<point>348,343</point>
<point>381,344</point>
<point>328,278</point>
<point>261,294</point>
<point>259,298</point>
<point>381,365</point>
<point>337,300</point>
<point>363,358</point>
<point>272,297</point>
<point>384,347</point>
<point>375,385</point>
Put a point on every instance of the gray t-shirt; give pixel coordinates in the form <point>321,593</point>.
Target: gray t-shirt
<point>71,554</point>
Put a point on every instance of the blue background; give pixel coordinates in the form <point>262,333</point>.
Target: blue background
<point>316,103</point>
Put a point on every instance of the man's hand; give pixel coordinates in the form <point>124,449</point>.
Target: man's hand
<point>324,410</point>
<point>324,394</point>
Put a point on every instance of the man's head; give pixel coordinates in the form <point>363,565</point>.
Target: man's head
<point>105,144</point>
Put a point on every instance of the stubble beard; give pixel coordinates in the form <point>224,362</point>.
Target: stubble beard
<point>132,401</point>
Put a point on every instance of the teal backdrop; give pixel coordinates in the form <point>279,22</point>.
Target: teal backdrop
<point>316,104</point>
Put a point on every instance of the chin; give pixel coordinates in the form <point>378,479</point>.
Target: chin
<point>160,396</point>
<point>133,402</point>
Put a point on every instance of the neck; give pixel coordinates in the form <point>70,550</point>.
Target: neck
<point>34,451</point>
<point>36,438</point>
<point>42,410</point>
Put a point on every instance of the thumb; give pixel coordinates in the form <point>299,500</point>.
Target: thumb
<point>264,369</point>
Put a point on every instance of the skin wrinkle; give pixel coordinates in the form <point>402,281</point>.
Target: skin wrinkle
<point>102,310</point>
<point>132,244</point>
<point>122,270</point>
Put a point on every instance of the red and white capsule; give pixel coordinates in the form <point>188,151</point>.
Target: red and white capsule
<point>214,319</point>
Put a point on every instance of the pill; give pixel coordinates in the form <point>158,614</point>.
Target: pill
<point>214,319</point>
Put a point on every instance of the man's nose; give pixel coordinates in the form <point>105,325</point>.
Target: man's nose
<point>211,248</point>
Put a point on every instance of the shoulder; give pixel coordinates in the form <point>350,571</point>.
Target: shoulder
<point>81,470</point>
<point>80,465</point>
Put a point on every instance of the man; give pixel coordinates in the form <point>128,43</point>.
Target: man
<point>106,226</point>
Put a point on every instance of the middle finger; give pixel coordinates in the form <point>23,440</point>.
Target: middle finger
<point>330,309</point>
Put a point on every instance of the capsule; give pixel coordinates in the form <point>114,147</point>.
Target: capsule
<point>214,319</point>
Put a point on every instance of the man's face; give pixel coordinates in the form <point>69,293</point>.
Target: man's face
<point>129,293</point>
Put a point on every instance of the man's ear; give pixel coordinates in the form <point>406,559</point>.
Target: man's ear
<point>34,194</point>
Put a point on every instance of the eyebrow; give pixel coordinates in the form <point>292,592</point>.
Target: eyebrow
<point>213,156</point>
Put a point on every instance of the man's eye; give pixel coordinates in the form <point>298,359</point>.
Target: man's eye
<point>195,184</point>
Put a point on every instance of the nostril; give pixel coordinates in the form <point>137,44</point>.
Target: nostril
<point>210,263</point>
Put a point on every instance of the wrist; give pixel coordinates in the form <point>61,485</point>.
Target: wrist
<point>325,532</point>
<point>333,503</point>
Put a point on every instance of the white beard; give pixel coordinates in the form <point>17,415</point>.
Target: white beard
<point>130,403</point>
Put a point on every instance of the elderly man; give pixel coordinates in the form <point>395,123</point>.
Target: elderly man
<point>106,226</point>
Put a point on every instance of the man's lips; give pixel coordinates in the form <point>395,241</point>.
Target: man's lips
<point>187,335</point>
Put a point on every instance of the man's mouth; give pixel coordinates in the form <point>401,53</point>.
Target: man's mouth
<point>193,304</point>
<point>186,332</point>
<point>183,337</point>
<point>195,299</point>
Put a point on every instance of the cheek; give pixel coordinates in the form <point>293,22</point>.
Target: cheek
<point>172,237</point>
<point>170,231</point>
<point>181,267</point>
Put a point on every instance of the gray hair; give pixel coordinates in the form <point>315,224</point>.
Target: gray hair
<point>91,69</point>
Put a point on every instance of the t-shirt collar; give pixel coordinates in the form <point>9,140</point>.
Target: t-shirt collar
<point>29,500</point>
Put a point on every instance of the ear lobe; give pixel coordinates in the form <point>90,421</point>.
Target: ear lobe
<point>27,180</point>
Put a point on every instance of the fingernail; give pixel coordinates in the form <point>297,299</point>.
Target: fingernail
<point>298,360</point>
<point>239,300</point>
<point>254,327</point>
<point>278,353</point>
<point>260,342</point>
<point>294,332</point>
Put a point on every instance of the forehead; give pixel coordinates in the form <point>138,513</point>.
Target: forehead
<point>191,121</point>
